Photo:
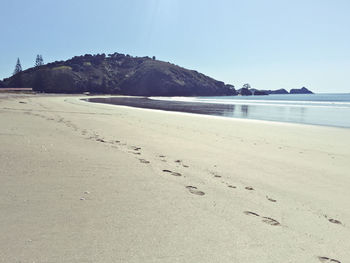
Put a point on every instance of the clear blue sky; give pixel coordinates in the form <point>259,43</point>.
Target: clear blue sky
<point>270,44</point>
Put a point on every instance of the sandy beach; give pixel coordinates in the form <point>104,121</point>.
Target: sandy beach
<point>85,182</point>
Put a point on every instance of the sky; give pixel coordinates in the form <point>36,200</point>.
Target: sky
<point>270,44</point>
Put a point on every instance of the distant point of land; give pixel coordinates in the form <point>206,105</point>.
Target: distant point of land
<point>126,75</point>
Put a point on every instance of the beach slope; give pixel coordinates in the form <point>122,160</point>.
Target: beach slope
<point>84,182</point>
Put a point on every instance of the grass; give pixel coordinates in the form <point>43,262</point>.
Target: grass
<point>62,68</point>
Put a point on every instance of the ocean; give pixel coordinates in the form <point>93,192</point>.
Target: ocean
<point>315,109</point>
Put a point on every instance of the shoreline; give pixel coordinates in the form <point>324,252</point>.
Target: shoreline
<point>97,183</point>
<point>203,114</point>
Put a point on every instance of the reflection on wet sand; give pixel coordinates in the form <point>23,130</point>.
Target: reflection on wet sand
<point>227,110</point>
<point>298,113</point>
<point>244,110</point>
<point>284,113</point>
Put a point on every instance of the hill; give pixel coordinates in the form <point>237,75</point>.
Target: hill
<point>303,90</point>
<point>118,74</point>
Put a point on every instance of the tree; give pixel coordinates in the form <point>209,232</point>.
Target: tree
<point>154,57</point>
<point>39,61</point>
<point>245,90</point>
<point>246,86</point>
<point>18,67</point>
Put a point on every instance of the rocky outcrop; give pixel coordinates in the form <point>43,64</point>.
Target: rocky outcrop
<point>279,91</point>
<point>118,74</point>
<point>245,92</point>
<point>303,90</point>
<point>256,92</point>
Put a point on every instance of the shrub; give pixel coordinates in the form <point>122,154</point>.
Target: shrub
<point>62,68</point>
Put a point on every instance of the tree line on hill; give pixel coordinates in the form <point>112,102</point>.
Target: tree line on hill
<point>39,61</point>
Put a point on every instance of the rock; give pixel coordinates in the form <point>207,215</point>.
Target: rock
<point>256,92</point>
<point>244,92</point>
<point>279,91</point>
<point>303,90</point>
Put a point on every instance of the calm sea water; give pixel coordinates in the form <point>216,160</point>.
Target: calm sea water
<point>316,109</point>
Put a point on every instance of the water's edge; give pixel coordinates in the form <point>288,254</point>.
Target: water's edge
<point>332,115</point>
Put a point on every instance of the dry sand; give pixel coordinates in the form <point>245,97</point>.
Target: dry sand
<point>83,182</point>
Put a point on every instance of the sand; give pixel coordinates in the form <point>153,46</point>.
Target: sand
<point>83,182</point>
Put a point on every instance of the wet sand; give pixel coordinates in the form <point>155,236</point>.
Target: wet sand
<point>290,109</point>
<point>177,106</point>
<point>85,182</point>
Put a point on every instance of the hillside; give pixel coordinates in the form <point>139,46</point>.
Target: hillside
<point>118,74</point>
<point>303,90</point>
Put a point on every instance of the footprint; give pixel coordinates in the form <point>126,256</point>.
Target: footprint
<point>172,173</point>
<point>215,174</point>
<point>270,199</point>
<point>193,190</point>
<point>232,186</point>
<point>249,188</point>
<point>267,220</point>
<point>180,162</point>
<point>271,221</point>
<point>163,158</point>
<point>143,161</point>
<point>334,221</point>
<point>100,140</point>
<point>136,148</point>
<point>326,259</point>
<point>250,213</point>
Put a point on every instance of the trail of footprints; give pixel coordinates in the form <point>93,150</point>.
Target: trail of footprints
<point>268,220</point>
<point>195,191</point>
<point>192,189</point>
<point>93,135</point>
